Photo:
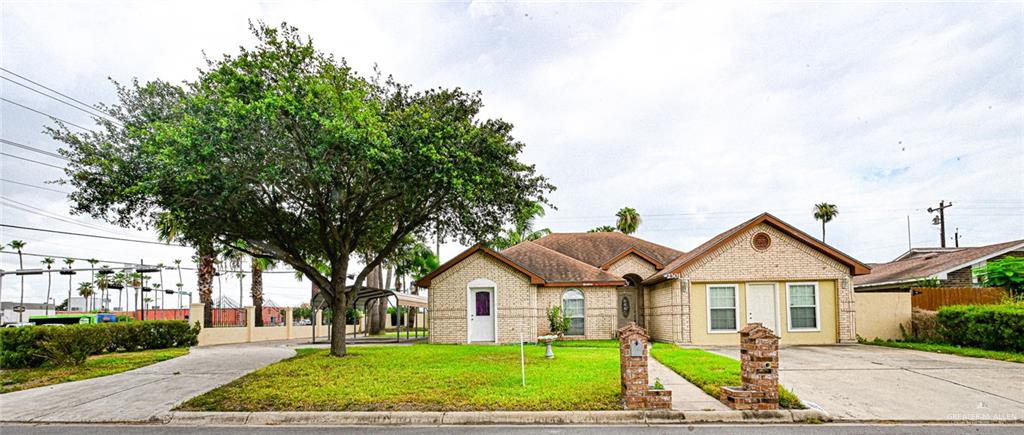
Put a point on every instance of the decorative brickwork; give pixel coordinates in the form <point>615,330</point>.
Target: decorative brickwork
<point>759,371</point>
<point>636,392</point>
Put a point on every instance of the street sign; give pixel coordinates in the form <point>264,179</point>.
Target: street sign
<point>19,308</point>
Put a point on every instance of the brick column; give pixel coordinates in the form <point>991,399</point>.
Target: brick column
<point>847,311</point>
<point>759,367</point>
<point>636,392</point>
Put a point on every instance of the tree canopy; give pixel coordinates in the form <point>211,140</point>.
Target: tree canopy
<point>293,152</point>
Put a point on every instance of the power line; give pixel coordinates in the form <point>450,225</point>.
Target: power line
<point>34,149</point>
<point>97,236</point>
<point>30,160</point>
<point>44,213</point>
<point>34,186</point>
<point>87,106</point>
<point>45,114</point>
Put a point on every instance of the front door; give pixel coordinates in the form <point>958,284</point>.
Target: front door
<point>481,314</point>
<point>761,305</point>
<point>627,305</point>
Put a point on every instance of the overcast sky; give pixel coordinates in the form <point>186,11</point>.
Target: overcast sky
<point>697,115</point>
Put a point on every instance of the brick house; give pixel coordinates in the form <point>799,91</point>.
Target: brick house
<point>763,270</point>
<point>951,267</point>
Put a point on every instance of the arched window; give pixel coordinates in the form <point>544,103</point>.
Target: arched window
<point>572,307</point>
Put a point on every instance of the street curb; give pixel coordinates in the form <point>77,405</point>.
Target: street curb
<point>414,418</point>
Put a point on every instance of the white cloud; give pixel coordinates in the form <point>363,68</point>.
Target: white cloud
<point>696,114</point>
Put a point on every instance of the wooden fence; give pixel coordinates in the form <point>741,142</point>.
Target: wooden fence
<point>931,298</point>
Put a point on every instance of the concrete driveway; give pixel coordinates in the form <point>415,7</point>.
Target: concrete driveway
<point>142,394</point>
<point>861,382</point>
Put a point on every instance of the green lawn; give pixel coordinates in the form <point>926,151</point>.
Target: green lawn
<point>952,349</point>
<point>424,377</point>
<point>95,366</point>
<point>586,343</point>
<point>710,371</point>
<point>412,334</point>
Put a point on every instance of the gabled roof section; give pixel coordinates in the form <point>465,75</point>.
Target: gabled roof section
<point>557,268</point>
<point>677,265</point>
<point>425,281</point>
<point>657,264</point>
<point>922,263</point>
<point>598,249</point>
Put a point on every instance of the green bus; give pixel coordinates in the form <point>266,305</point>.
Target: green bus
<point>73,319</point>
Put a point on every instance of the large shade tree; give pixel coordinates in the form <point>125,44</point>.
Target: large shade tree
<point>291,151</point>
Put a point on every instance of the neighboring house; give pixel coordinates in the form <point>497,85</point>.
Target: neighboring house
<point>31,309</point>
<point>763,270</point>
<point>883,298</point>
<point>952,267</point>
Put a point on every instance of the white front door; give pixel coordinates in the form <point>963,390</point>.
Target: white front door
<point>761,305</point>
<point>481,314</point>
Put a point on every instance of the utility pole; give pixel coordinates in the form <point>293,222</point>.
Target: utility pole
<point>942,219</point>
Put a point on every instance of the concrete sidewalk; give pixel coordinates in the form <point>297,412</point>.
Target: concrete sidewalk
<point>143,394</point>
<point>685,396</point>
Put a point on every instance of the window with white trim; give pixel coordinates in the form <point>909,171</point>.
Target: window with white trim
<point>723,308</point>
<point>572,308</point>
<point>803,306</point>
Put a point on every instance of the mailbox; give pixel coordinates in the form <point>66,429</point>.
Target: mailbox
<point>636,348</point>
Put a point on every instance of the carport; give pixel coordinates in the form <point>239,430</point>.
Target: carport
<point>396,299</point>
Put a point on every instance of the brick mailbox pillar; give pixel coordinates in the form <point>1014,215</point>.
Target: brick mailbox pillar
<point>759,367</point>
<point>636,391</point>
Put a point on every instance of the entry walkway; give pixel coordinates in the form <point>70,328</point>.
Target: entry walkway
<point>685,396</point>
<point>141,395</point>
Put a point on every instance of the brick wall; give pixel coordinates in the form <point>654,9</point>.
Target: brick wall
<point>599,310</point>
<point>787,259</point>
<point>958,278</point>
<point>515,305</point>
<point>664,309</point>
<point>632,263</point>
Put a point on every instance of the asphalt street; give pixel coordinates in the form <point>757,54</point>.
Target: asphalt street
<point>502,430</point>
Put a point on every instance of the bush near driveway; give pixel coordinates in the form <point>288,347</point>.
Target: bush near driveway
<point>993,327</point>
<point>425,377</point>
<point>32,346</point>
<point>951,349</point>
<point>710,371</point>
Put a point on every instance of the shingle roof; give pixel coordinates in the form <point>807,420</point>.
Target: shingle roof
<point>556,267</point>
<point>926,263</point>
<point>596,249</point>
<point>857,268</point>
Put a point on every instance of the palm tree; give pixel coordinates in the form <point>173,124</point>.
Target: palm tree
<point>92,265</point>
<point>256,288</point>
<point>233,258</point>
<point>85,290</point>
<point>169,230</point>
<point>69,262</point>
<point>824,212</point>
<point>522,228</point>
<point>177,263</point>
<point>119,280</point>
<point>629,220</point>
<point>103,284</point>
<point>18,245</point>
<point>48,261</point>
<point>603,229</point>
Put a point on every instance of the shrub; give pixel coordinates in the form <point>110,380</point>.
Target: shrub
<point>557,322</point>
<point>32,346</point>
<point>924,326</point>
<point>993,327</point>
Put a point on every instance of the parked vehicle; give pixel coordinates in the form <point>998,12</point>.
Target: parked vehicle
<point>73,319</point>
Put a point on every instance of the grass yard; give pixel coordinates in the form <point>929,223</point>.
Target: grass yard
<point>424,377</point>
<point>952,349</point>
<point>614,344</point>
<point>95,366</point>
<point>710,371</point>
<point>412,334</point>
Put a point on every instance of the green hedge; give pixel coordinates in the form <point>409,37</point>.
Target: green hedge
<point>32,346</point>
<point>993,327</point>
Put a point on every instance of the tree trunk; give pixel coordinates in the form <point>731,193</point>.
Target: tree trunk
<point>257,291</point>
<point>822,231</point>
<point>338,320</point>
<point>206,271</point>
